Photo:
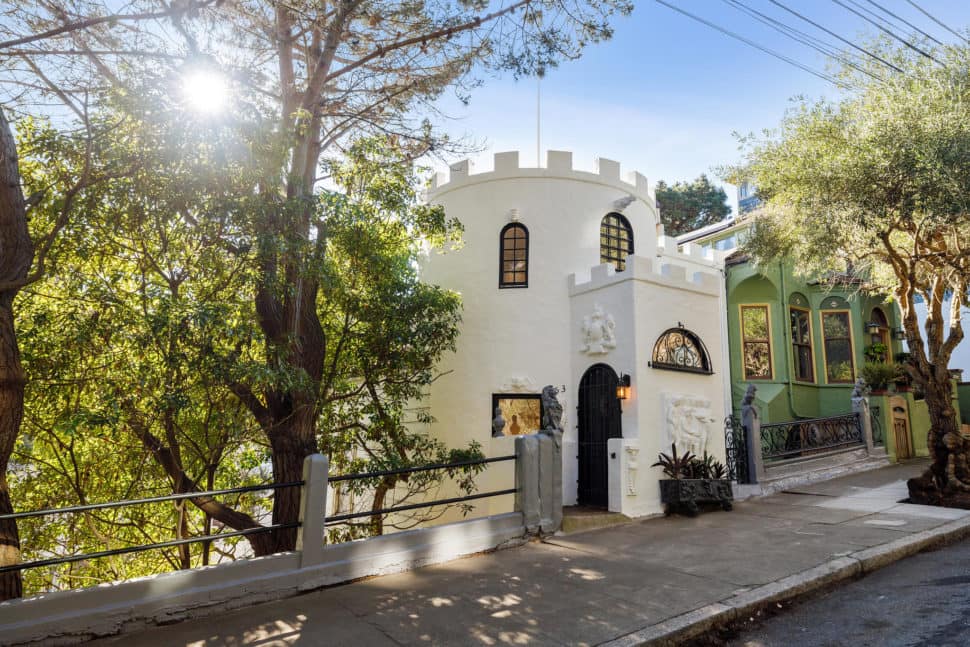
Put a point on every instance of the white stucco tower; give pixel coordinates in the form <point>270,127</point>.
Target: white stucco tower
<point>542,308</point>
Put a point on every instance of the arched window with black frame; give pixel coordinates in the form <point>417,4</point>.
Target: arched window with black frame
<point>514,256</point>
<point>678,349</point>
<point>616,240</point>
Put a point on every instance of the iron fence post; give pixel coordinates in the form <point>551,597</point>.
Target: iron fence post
<point>310,536</point>
<point>527,481</point>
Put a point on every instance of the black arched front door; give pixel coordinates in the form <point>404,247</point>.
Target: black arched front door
<point>599,420</point>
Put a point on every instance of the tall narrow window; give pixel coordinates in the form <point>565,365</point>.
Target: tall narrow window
<point>837,336</point>
<point>756,342</point>
<point>881,333</point>
<point>616,240</point>
<point>514,257</point>
<point>801,342</point>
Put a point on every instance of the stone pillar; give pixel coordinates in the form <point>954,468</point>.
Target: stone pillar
<point>860,407</point>
<point>311,535</point>
<point>550,480</point>
<point>527,481</point>
<point>751,422</point>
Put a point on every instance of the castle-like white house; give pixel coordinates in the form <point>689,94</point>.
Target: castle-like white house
<point>567,280</point>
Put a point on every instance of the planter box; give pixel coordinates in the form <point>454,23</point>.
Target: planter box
<point>687,493</point>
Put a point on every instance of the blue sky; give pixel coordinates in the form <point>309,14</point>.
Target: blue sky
<point>665,94</point>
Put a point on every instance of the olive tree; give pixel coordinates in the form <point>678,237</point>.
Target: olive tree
<point>878,185</point>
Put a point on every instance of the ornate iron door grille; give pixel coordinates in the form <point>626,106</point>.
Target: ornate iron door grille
<point>599,420</point>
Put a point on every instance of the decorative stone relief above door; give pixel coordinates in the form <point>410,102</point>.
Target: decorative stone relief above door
<point>518,384</point>
<point>687,422</point>
<point>598,332</point>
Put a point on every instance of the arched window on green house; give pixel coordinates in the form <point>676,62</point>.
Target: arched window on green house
<point>878,329</point>
<point>838,347</point>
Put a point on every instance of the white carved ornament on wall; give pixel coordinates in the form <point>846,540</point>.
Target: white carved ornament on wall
<point>631,469</point>
<point>518,384</point>
<point>687,422</point>
<point>599,332</point>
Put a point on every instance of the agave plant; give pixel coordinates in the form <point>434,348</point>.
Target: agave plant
<point>674,466</point>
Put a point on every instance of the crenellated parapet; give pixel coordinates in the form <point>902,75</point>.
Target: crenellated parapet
<point>559,165</point>
<point>674,271</point>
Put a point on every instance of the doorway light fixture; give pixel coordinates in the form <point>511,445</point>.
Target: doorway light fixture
<point>623,387</point>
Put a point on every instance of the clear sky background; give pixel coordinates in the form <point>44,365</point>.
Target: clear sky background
<point>666,93</point>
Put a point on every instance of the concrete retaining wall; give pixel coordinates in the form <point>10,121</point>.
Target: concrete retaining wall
<point>67,617</point>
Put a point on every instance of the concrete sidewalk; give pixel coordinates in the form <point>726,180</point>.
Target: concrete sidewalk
<point>656,580</point>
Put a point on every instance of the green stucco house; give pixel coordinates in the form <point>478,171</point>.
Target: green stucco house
<point>803,342</point>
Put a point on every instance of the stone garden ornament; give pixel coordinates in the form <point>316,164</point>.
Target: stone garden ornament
<point>551,408</point>
<point>498,423</point>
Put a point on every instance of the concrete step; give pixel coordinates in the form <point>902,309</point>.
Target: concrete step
<point>578,519</point>
<point>784,477</point>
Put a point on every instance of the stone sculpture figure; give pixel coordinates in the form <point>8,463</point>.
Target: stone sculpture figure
<point>747,404</point>
<point>498,423</point>
<point>551,408</point>
<point>598,332</point>
<point>860,388</point>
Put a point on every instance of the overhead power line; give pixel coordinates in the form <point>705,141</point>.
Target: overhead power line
<point>751,43</point>
<point>797,35</point>
<point>937,21</point>
<point>904,21</point>
<point>832,33</point>
<point>888,32</point>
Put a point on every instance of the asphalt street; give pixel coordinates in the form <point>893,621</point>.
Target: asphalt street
<point>920,601</point>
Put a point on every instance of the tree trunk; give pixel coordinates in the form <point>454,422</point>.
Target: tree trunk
<point>292,441</point>
<point>947,480</point>
<point>16,255</point>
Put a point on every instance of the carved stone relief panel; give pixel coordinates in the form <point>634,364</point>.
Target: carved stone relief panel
<point>687,422</point>
<point>599,335</point>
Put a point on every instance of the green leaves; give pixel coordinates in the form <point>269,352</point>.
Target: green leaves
<point>687,206</point>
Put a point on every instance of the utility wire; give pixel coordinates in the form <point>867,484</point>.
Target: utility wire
<point>888,32</point>
<point>934,19</point>
<point>832,33</point>
<point>797,35</point>
<point>820,75</point>
<point>904,21</point>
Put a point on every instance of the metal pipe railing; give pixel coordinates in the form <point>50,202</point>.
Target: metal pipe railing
<point>154,499</point>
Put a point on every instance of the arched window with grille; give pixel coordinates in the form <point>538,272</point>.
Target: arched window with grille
<point>678,349</point>
<point>616,240</point>
<point>514,256</point>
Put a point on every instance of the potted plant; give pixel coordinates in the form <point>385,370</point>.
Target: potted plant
<point>878,375</point>
<point>876,352</point>
<point>693,480</point>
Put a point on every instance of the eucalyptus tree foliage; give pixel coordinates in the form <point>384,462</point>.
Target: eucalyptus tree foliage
<point>879,184</point>
<point>306,78</point>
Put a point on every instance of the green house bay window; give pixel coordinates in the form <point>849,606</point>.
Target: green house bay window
<point>837,335</point>
<point>801,342</point>
<point>756,342</point>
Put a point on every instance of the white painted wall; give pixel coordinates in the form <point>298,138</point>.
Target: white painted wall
<point>521,339</point>
<point>961,354</point>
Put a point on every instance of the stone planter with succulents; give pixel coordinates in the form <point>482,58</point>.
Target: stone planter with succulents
<point>692,481</point>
